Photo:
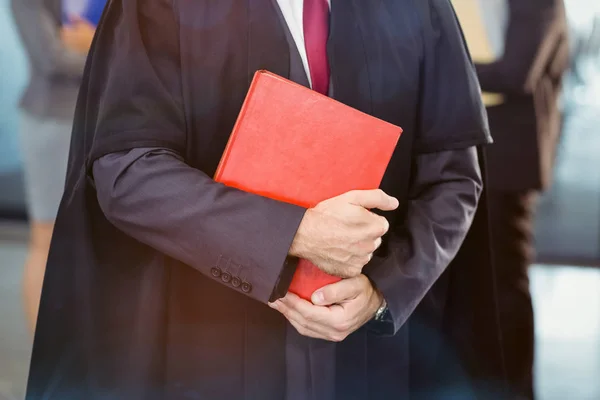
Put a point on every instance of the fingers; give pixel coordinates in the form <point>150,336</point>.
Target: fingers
<point>370,199</point>
<point>304,323</point>
<point>371,225</point>
<point>305,309</point>
<point>351,264</point>
<point>339,292</point>
<point>292,317</point>
<point>325,323</point>
<point>378,243</point>
<point>335,322</point>
<point>362,254</point>
<point>379,227</point>
<point>368,246</point>
<point>290,307</point>
<point>305,331</point>
<point>344,234</point>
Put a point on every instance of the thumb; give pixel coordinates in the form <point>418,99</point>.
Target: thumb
<point>337,292</point>
<point>370,199</point>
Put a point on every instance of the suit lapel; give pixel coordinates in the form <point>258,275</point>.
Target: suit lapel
<point>348,56</point>
<point>267,45</point>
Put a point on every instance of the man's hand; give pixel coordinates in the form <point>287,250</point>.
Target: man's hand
<point>338,310</point>
<point>340,235</point>
<point>78,34</point>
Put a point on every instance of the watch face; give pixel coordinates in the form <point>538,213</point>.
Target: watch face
<point>381,312</point>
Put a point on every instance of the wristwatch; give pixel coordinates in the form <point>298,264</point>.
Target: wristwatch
<point>379,314</point>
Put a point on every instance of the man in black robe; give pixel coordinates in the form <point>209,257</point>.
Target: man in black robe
<point>140,298</point>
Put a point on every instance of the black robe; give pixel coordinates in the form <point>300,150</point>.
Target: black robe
<point>107,326</point>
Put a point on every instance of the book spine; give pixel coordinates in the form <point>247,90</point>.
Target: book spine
<point>223,163</point>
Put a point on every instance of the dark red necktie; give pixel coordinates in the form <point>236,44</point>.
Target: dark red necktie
<point>316,30</point>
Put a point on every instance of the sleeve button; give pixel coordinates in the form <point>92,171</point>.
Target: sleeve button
<point>226,277</point>
<point>236,282</point>
<point>246,287</point>
<point>216,272</point>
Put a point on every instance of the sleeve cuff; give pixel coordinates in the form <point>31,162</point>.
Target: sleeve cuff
<point>285,278</point>
<point>387,280</point>
<point>275,268</point>
<point>384,327</point>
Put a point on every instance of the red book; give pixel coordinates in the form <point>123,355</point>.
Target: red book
<point>293,144</point>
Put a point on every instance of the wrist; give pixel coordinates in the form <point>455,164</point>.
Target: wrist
<point>299,247</point>
<point>380,305</point>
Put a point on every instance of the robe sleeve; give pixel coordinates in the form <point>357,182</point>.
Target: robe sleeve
<point>452,115</point>
<point>136,68</point>
<point>443,200</point>
<point>447,181</point>
<point>144,185</point>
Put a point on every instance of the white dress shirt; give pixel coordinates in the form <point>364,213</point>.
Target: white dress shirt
<point>292,11</point>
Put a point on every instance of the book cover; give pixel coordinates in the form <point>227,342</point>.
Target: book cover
<point>293,144</point>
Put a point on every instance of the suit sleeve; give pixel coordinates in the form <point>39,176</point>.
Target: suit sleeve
<point>143,183</point>
<point>535,40</point>
<point>41,39</point>
<point>444,198</point>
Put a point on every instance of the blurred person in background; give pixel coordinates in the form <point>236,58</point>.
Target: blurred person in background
<point>57,56</point>
<point>520,49</point>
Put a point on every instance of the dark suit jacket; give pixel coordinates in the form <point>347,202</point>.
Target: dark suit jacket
<point>526,126</point>
<point>146,316</point>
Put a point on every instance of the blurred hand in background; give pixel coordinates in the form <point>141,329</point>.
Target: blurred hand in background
<point>78,34</point>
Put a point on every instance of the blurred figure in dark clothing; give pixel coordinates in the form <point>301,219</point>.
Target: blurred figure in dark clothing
<point>57,56</point>
<point>521,83</point>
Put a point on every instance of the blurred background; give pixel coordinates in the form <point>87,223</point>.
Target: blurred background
<point>565,279</point>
